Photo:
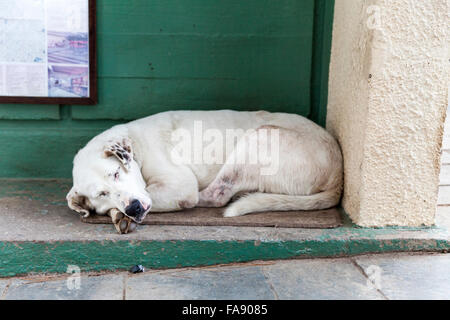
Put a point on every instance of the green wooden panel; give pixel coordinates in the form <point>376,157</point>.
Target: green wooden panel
<point>150,96</point>
<point>207,57</point>
<point>204,16</point>
<point>200,54</point>
<point>29,112</point>
<point>323,29</point>
<point>40,149</point>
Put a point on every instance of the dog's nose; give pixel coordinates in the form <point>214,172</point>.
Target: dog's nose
<point>134,209</point>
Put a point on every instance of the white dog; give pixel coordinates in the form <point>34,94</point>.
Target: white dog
<point>160,163</point>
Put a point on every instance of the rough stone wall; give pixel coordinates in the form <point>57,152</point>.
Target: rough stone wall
<point>388,96</point>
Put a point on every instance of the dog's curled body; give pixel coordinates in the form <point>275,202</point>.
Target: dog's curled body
<point>307,176</point>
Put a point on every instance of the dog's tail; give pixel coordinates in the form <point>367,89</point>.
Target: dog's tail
<point>263,202</point>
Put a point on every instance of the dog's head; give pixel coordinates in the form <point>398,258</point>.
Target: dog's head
<point>106,176</point>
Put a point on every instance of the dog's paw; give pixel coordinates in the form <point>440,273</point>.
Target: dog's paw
<point>125,225</point>
<point>115,215</point>
<point>214,197</point>
<point>122,223</point>
<point>186,204</point>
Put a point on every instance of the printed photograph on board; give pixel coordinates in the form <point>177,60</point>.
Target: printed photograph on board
<point>68,81</point>
<point>68,48</point>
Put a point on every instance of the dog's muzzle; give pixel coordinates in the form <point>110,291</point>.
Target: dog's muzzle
<point>136,211</point>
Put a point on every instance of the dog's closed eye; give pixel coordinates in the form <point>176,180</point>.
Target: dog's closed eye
<point>103,194</point>
<point>115,175</point>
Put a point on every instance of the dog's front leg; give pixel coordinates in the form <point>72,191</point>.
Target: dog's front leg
<point>122,223</point>
<point>167,199</point>
<point>173,192</point>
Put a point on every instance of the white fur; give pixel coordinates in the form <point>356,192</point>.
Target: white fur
<point>309,178</point>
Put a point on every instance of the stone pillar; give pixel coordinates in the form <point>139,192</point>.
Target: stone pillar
<point>388,93</point>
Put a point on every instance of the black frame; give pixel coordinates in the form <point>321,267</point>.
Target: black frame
<point>93,92</point>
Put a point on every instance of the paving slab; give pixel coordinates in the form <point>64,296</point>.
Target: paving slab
<point>321,279</point>
<point>39,233</point>
<point>106,287</point>
<point>445,158</point>
<point>444,177</point>
<point>409,277</point>
<point>3,285</point>
<point>443,216</point>
<point>242,283</point>
<point>444,195</point>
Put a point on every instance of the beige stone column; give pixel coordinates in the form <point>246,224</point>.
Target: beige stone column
<point>388,93</point>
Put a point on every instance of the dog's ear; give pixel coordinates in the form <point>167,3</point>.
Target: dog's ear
<point>122,150</point>
<point>77,203</point>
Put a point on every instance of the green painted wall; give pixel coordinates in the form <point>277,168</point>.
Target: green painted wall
<point>180,54</point>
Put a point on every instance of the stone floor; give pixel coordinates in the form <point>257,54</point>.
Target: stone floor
<point>388,276</point>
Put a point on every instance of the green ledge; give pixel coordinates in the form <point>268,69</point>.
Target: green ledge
<point>39,234</point>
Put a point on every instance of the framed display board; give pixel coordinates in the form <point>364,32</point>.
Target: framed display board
<point>48,51</point>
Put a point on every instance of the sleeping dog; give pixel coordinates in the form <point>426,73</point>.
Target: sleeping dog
<point>183,159</point>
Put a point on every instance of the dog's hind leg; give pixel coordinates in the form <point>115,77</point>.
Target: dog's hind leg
<point>242,171</point>
<point>221,190</point>
<point>238,175</point>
